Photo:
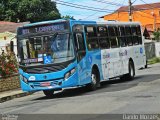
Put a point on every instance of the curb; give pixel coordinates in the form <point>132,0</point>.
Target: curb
<point>10,97</point>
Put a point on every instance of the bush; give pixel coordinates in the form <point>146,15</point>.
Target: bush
<point>8,64</point>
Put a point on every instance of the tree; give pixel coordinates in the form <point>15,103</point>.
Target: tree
<point>157,35</point>
<point>28,10</point>
<point>68,17</point>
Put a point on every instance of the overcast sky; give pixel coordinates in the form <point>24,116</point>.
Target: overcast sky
<point>104,7</point>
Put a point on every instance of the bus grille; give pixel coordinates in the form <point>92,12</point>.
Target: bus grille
<point>45,68</point>
<point>40,70</point>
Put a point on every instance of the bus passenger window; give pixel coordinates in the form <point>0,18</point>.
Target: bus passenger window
<point>104,43</point>
<point>114,42</point>
<point>135,40</point>
<point>91,37</point>
<point>122,41</point>
<point>112,31</point>
<point>122,31</point>
<point>129,41</point>
<point>139,34</point>
<point>128,30</point>
<point>134,35</point>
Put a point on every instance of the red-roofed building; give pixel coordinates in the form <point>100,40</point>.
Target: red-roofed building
<point>147,14</point>
<point>8,33</point>
<point>10,26</point>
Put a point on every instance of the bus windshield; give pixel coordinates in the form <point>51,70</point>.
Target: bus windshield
<point>49,49</point>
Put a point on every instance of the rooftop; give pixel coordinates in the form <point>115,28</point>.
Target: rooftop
<point>139,7</point>
<point>10,26</point>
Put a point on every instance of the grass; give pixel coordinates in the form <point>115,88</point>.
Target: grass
<point>153,60</point>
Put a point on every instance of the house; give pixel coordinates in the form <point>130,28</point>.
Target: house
<point>8,33</point>
<point>147,14</point>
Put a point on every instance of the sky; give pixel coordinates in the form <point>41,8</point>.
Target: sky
<point>104,7</point>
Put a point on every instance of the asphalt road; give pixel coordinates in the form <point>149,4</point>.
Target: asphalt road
<point>139,96</point>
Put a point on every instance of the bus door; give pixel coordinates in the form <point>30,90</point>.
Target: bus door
<point>81,53</point>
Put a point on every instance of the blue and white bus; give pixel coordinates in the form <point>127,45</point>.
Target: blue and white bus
<point>59,54</point>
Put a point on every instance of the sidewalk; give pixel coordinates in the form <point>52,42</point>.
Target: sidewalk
<point>9,95</point>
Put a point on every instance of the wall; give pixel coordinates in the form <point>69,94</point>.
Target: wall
<point>9,83</point>
<point>157,49</point>
<point>152,49</point>
<point>145,17</point>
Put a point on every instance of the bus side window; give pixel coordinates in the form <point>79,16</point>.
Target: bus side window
<point>91,37</point>
<point>103,37</point>
<point>80,45</point>
<point>134,35</point>
<point>114,42</point>
<point>139,34</point>
<point>122,38</point>
<point>113,34</point>
<point>128,35</point>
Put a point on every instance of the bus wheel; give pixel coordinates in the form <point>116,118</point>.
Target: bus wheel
<point>146,65</point>
<point>48,93</point>
<point>131,73</point>
<point>95,80</point>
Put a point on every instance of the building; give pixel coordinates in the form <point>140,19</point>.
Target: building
<point>8,33</point>
<point>147,14</point>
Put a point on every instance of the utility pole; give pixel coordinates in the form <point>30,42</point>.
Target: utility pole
<point>130,10</point>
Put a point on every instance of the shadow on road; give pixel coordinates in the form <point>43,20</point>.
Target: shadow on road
<point>107,86</point>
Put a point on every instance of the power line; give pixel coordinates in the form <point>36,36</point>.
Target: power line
<point>104,7</point>
<point>81,6</point>
<point>110,3</point>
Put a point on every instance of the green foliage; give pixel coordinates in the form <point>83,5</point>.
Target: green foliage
<point>8,64</point>
<point>154,60</point>
<point>28,10</point>
<point>68,17</point>
<point>157,35</point>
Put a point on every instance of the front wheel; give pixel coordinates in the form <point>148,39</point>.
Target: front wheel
<point>95,80</point>
<point>48,93</point>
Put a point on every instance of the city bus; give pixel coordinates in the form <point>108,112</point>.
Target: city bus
<point>59,54</point>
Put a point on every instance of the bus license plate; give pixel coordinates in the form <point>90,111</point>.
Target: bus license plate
<point>45,84</point>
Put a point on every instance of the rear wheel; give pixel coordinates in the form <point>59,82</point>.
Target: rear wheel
<point>131,73</point>
<point>146,64</point>
<point>95,80</point>
<point>48,93</point>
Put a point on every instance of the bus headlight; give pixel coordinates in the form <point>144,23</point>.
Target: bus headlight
<point>69,73</point>
<point>24,79</point>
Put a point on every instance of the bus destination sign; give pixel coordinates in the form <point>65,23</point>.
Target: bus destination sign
<point>43,28</point>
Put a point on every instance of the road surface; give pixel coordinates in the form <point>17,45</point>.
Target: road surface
<point>139,96</point>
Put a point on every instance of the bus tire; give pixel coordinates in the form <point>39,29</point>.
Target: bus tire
<point>95,80</point>
<point>146,65</point>
<point>48,93</point>
<point>131,73</point>
<point>131,69</point>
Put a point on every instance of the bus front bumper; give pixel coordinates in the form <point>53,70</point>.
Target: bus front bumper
<point>54,84</point>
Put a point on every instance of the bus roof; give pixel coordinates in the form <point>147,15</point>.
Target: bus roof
<point>82,22</point>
